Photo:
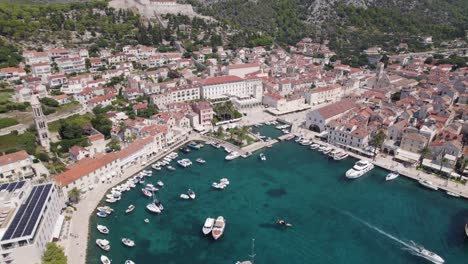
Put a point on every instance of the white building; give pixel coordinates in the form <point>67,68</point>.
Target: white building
<point>318,119</point>
<point>231,86</point>
<point>348,135</point>
<point>41,70</point>
<point>30,216</point>
<point>240,70</point>
<point>16,166</point>
<point>71,65</point>
<point>185,93</point>
<point>325,94</point>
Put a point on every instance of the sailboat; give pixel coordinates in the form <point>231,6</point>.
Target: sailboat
<point>252,256</point>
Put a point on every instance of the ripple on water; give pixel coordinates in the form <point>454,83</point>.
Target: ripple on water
<point>278,192</point>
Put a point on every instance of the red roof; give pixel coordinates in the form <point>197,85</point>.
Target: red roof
<point>241,66</point>
<point>13,157</point>
<point>336,108</point>
<point>221,79</point>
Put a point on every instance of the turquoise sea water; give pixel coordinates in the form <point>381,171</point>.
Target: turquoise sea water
<point>335,220</point>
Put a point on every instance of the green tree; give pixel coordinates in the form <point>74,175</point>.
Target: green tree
<point>70,130</point>
<point>74,195</point>
<point>53,254</point>
<point>114,144</point>
<point>102,124</point>
<point>377,141</point>
<point>424,153</point>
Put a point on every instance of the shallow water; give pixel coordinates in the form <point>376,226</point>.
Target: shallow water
<point>335,220</point>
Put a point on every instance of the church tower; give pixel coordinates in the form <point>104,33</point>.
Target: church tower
<point>41,123</point>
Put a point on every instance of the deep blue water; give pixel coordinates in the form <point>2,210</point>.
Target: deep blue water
<point>335,220</point>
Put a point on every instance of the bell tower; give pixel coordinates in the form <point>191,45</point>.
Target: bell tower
<point>41,123</point>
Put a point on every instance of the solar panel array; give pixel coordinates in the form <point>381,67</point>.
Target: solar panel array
<point>25,219</point>
<point>12,186</point>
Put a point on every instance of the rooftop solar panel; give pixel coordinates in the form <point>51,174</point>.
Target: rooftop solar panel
<point>27,213</point>
<point>4,186</point>
<point>37,211</point>
<point>20,184</point>
<point>12,186</point>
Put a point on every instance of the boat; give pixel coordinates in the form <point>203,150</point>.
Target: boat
<point>428,184</point>
<point>314,146</point>
<point>156,167</point>
<point>305,142</point>
<point>193,145</point>
<point>283,223</point>
<point>392,175</point>
<point>327,150</point>
<point>208,226</point>
<point>150,187</point>
<point>146,220</point>
<point>322,148</point>
<point>105,260</point>
<point>217,185</point>
<point>184,196</point>
<point>103,244</point>
<point>262,157</point>
<point>298,139</point>
<point>153,208</point>
<point>232,155</point>
<point>360,168</point>
<point>147,192</point>
<point>103,229</point>
<point>101,214</point>
<point>191,194</point>
<point>340,155</point>
<point>130,208</point>
<point>184,163</point>
<point>158,204</point>
<point>105,209</point>
<point>200,160</point>
<point>129,262</point>
<point>453,194</point>
<point>252,256</point>
<point>160,183</point>
<point>185,150</point>
<point>218,227</point>
<point>429,255</point>
<point>166,159</point>
<point>171,168</point>
<point>111,200</point>
<point>128,242</point>
<point>466,230</point>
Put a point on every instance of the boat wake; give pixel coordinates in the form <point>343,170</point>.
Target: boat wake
<point>410,246</point>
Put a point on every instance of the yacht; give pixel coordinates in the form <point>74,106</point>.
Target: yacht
<point>111,200</point>
<point>130,208</point>
<point>314,146</point>
<point>153,208</point>
<point>429,255</point>
<point>105,209</point>
<point>327,150</point>
<point>392,175</point>
<point>156,167</point>
<point>128,242</point>
<point>305,142</point>
<point>428,184</point>
<point>218,227</point>
<point>232,155</point>
<point>453,194</point>
<point>103,229</point>
<point>340,155</point>
<point>298,139</point>
<point>219,185</point>
<point>170,168</point>
<point>208,226</point>
<point>322,148</point>
<point>184,196</point>
<point>184,163</point>
<point>360,168</point>
<point>193,145</point>
<point>191,194</point>
<point>103,244</point>
<point>129,262</point>
<point>466,230</point>
<point>262,157</point>
<point>105,260</point>
<point>158,204</point>
<point>150,187</point>
<point>147,193</point>
<point>160,183</point>
<point>200,160</point>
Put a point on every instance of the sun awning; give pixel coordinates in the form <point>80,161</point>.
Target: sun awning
<point>58,227</point>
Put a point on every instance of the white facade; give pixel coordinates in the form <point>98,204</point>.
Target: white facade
<point>16,166</point>
<point>71,65</point>
<point>231,86</point>
<point>323,94</point>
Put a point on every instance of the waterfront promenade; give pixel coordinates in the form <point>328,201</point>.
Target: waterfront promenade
<point>76,244</point>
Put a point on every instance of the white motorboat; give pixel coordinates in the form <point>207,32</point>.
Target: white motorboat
<point>232,155</point>
<point>103,244</point>
<point>103,229</point>
<point>168,160</point>
<point>128,242</point>
<point>156,167</point>
<point>130,208</point>
<point>184,163</point>
<point>360,168</point>
<point>262,157</point>
<point>217,185</point>
<point>218,227</point>
<point>453,194</point>
<point>184,196</point>
<point>392,175</point>
<point>105,209</point>
<point>150,187</point>
<point>160,183</point>
<point>146,192</point>
<point>129,262</point>
<point>105,260</point>
<point>158,204</point>
<point>153,208</point>
<point>340,155</point>
<point>171,168</point>
<point>200,160</point>
<point>111,200</point>
<point>429,185</point>
<point>146,220</point>
<point>305,142</point>
<point>314,146</point>
<point>208,226</point>
<point>429,255</point>
<point>191,194</point>
<point>224,181</point>
<point>322,148</point>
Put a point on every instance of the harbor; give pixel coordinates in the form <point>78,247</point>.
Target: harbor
<point>323,209</point>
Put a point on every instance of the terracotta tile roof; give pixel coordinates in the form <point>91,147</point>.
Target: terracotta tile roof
<point>96,137</point>
<point>336,108</point>
<point>13,157</point>
<point>242,66</point>
<point>221,79</point>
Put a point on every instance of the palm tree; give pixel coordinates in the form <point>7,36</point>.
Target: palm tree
<point>442,163</point>
<point>424,153</point>
<point>378,141</point>
<point>74,195</point>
